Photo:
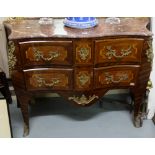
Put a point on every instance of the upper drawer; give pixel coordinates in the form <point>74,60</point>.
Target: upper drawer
<point>46,52</point>
<point>118,50</point>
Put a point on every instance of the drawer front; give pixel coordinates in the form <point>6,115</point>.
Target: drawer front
<point>83,77</point>
<point>83,52</point>
<point>115,76</point>
<point>46,52</point>
<point>118,50</point>
<point>45,79</point>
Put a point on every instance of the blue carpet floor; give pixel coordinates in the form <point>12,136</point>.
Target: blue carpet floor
<point>56,118</point>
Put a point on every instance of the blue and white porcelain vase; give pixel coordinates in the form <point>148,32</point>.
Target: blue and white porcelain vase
<point>80,22</point>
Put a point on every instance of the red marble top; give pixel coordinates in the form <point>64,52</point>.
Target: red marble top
<point>30,28</point>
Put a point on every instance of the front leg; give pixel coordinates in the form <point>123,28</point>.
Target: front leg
<point>137,121</point>
<point>23,99</point>
<point>140,106</point>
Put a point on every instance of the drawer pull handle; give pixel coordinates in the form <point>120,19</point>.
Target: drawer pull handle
<point>110,78</point>
<point>112,53</point>
<point>83,100</point>
<point>39,55</point>
<point>42,82</point>
<point>54,82</point>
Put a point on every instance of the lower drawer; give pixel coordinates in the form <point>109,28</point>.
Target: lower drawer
<point>48,79</point>
<point>115,76</point>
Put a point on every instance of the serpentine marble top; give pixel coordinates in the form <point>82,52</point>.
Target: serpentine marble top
<point>30,28</point>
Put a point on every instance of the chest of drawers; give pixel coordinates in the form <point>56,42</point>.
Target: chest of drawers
<point>80,65</point>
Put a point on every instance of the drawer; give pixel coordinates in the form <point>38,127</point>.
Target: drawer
<point>123,50</point>
<point>48,79</point>
<point>116,76</point>
<point>46,52</point>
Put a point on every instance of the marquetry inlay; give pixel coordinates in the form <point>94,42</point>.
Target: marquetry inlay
<point>83,52</point>
<point>46,53</point>
<point>116,77</point>
<point>83,79</point>
<point>47,80</point>
<point>109,52</point>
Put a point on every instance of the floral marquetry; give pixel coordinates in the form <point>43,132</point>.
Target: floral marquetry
<point>49,80</point>
<point>49,52</point>
<point>83,53</point>
<point>116,76</point>
<point>118,50</point>
<point>42,80</point>
<point>83,79</point>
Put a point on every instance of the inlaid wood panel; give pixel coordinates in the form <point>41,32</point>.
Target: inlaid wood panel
<point>115,76</point>
<point>83,52</point>
<point>118,50</point>
<point>42,79</point>
<point>46,52</point>
<point>83,78</point>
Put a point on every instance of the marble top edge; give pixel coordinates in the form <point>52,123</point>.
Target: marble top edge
<point>30,28</point>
